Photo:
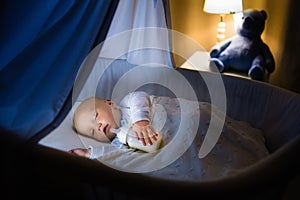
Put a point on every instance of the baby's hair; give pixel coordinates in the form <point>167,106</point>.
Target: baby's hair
<point>82,105</point>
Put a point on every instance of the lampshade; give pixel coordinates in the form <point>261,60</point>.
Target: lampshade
<point>223,6</point>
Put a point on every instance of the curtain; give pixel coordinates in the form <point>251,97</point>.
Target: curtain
<point>42,45</point>
<point>139,33</point>
<point>288,67</point>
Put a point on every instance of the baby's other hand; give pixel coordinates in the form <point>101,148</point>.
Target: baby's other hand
<point>80,152</point>
<point>145,132</point>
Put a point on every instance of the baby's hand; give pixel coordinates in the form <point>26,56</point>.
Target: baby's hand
<point>80,152</point>
<point>145,132</point>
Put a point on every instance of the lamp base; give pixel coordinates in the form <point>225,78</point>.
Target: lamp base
<point>221,29</point>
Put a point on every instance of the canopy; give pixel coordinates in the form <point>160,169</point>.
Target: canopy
<point>42,45</point>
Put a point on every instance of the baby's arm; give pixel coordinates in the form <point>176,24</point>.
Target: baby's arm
<point>139,103</point>
<point>80,152</point>
<point>93,152</point>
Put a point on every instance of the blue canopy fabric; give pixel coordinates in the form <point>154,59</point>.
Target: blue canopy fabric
<point>42,45</point>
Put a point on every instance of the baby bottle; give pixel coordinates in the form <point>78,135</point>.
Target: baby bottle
<point>126,136</point>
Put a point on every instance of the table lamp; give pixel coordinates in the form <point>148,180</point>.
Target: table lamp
<point>222,7</point>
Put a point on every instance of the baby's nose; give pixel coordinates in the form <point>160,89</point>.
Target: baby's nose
<point>99,123</point>
<point>98,126</point>
<point>98,120</point>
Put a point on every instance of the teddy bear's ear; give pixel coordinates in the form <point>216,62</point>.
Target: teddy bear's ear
<point>263,14</point>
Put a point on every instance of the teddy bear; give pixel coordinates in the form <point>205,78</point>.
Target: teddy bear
<point>246,51</point>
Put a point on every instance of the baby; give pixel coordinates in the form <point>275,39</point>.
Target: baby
<point>98,118</point>
<point>239,144</point>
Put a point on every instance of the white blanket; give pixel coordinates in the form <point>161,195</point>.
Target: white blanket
<point>239,145</point>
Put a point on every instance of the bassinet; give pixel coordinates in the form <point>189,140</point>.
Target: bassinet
<point>53,173</point>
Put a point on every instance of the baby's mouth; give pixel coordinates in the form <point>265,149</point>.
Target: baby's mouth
<point>105,129</point>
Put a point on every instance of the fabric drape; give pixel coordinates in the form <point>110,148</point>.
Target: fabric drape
<point>42,45</point>
<point>139,33</point>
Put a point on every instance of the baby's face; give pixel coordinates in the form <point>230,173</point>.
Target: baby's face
<point>97,119</point>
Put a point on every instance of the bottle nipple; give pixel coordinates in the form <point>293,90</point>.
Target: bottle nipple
<point>121,134</point>
<point>116,131</point>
